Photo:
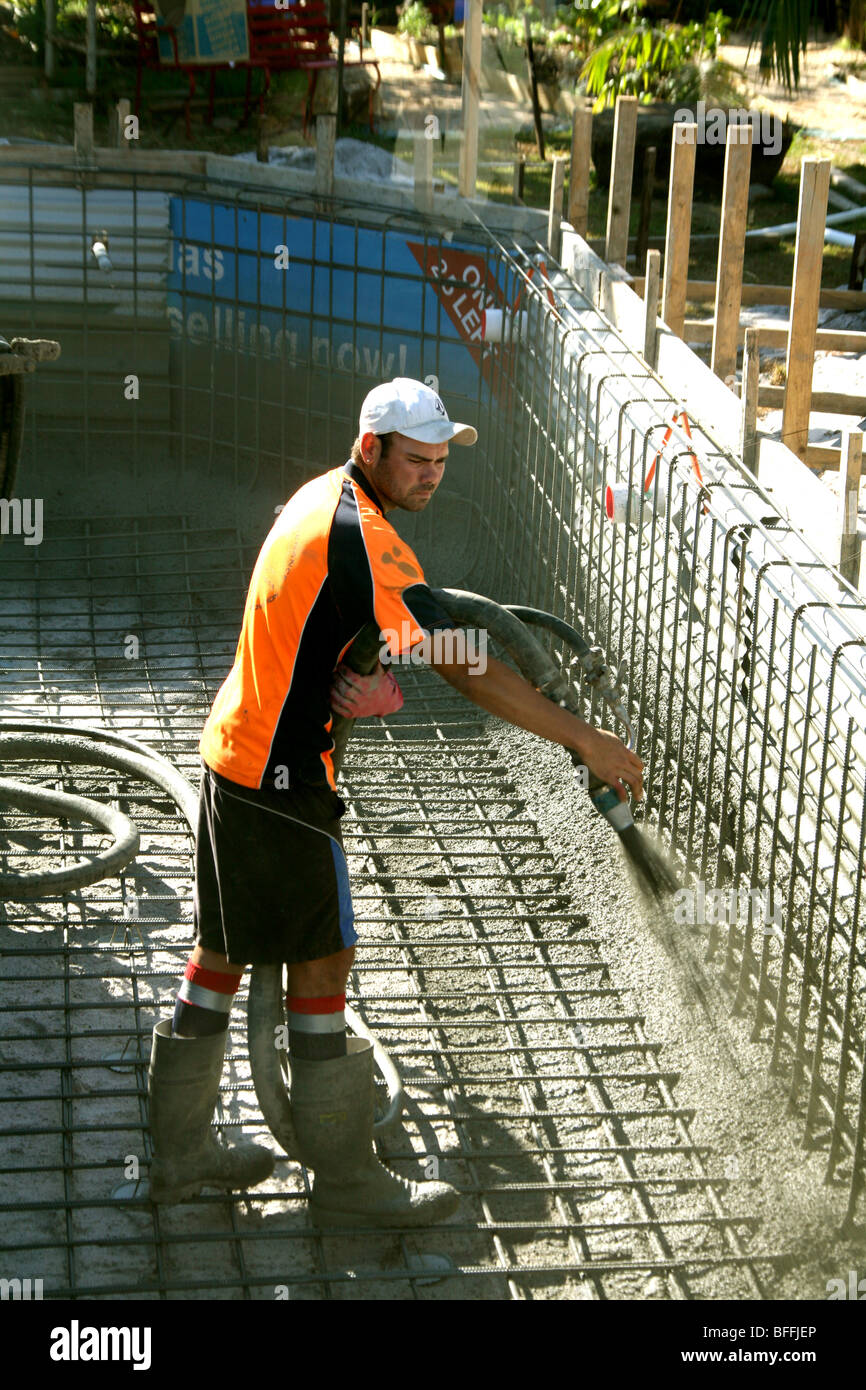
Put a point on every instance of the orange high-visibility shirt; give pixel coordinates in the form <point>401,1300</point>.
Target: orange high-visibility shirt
<point>331,564</point>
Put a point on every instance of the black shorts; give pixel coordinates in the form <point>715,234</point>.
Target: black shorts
<point>271,881</point>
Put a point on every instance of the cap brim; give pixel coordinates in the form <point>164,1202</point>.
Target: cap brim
<point>442,432</point>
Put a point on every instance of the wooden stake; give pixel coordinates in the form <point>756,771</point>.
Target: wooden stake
<point>326,135</point>
<point>732,247</point>
<point>833,402</point>
<point>684,144</point>
<point>471,96</point>
<point>805,296</point>
<point>857,273</point>
<point>365,25</point>
<point>90,45</point>
<point>578,184</point>
<point>533,85</point>
<point>50,31</point>
<point>119,115</point>
<point>749,401</point>
<point>621,171</point>
<point>82,140</point>
<point>554,214</point>
<point>517,179</point>
<point>704,292</point>
<point>342,30</point>
<point>775,335</point>
<point>423,172</point>
<point>849,546</point>
<point>262,151</point>
<point>651,307</point>
<point>646,204</point>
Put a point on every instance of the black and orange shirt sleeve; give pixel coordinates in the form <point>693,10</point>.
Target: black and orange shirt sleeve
<point>375,576</point>
<point>331,564</point>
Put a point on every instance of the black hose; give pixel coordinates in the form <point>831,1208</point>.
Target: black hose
<point>361,657</point>
<point>595,669</point>
<point>11,430</point>
<point>533,662</point>
<point>559,626</point>
<point>536,666</point>
<point>506,628</point>
<point>511,633</point>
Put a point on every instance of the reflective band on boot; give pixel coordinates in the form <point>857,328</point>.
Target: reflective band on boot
<point>332,1109</point>
<point>183,1085</point>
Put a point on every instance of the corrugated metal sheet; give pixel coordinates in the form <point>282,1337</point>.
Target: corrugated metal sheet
<point>46,236</point>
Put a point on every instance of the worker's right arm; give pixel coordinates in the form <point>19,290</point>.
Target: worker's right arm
<point>406,611</point>
<point>503,692</point>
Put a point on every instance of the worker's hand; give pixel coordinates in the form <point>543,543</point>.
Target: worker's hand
<point>356,697</point>
<point>610,760</point>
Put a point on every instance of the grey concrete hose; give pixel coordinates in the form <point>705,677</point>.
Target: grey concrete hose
<point>31,741</point>
<point>654,875</point>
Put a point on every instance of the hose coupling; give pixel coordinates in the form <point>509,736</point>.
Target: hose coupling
<point>615,812</point>
<point>598,674</point>
<point>556,688</point>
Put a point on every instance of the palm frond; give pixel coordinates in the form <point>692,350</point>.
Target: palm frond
<point>782,28</point>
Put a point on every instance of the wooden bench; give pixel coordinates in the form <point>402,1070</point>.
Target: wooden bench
<point>280,40</point>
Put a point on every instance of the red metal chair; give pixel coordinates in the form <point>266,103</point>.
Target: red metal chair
<point>297,38</point>
<point>148,31</point>
<point>280,40</point>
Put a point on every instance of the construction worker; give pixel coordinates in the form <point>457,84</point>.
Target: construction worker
<point>271,879</point>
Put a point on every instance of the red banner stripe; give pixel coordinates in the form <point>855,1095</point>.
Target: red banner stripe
<point>326,1004</point>
<point>212,979</point>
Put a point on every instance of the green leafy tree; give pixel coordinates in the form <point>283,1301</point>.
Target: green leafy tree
<point>782,27</point>
<point>657,62</point>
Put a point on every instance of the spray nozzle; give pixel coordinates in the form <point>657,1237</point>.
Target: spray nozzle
<point>615,812</point>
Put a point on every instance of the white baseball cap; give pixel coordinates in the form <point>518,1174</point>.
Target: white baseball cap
<point>411,408</point>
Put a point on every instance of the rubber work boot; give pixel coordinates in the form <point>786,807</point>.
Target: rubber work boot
<point>332,1108</point>
<point>183,1085</point>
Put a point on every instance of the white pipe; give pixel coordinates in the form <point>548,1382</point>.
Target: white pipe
<point>838,238</point>
<point>499,325</point>
<point>840,180</point>
<point>622,502</point>
<point>785,228</point>
<point>103,260</point>
<point>840,200</point>
<point>90,60</point>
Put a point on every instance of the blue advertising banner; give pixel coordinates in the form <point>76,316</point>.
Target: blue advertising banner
<point>375,302</point>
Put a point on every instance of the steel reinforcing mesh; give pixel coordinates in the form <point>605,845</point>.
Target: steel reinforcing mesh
<point>747,671</point>
<point>743,671</point>
<point>533,1085</point>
